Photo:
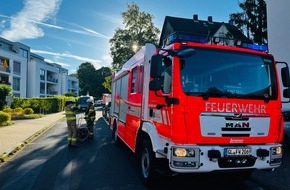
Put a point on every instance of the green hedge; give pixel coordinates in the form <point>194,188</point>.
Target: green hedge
<point>28,111</point>
<point>4,118</point>
<point>41,105</point>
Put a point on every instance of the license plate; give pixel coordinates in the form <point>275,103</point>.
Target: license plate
<point>238,152</point>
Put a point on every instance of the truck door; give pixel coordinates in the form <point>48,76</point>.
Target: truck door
<point>134,105</point>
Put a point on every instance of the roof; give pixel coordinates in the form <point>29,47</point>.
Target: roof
<point>197,28</point>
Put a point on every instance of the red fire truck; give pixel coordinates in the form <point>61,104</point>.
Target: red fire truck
<point>207,99</point>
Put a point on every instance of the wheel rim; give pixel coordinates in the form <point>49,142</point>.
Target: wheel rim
<point>145,162</point>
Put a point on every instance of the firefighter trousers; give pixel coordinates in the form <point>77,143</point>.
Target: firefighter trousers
<point>72,132</point>
<point>90,125</point>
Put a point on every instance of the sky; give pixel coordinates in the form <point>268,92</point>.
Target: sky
<point>71,32</point>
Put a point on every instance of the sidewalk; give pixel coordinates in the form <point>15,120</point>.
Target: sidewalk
<point>14,137</point>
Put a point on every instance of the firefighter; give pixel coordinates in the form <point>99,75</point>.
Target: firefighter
<point>70,112</point>
<point>90,116</point>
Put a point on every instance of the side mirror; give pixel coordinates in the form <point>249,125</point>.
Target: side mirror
<point>186,53</point>
<point>155,85</point>
<point>285,76</point>
<point>286,93</point>
<point>156,66</point>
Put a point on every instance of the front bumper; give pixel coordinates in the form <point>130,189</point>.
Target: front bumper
<point>215,158</point>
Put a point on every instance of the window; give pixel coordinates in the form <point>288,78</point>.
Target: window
<point>42,88</point>
<point>16,84</point>
<point>16,68</point>
<point>42,74</point>
<point>140,88</point>
<point>166,74</point>
<point>16,95</point>
<point>228,74</point>
<point>134,80</point>
<point>4,64</point>
<point>23,53</point>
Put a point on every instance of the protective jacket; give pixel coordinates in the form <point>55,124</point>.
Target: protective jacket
<point>70,112</point>
<point>91,113</point>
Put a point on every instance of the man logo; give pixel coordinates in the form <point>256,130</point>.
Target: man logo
<point>237,115</point>
<point>237,125</point>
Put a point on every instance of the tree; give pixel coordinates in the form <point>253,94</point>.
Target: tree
<point>253,20</point>
<point>87,79</point>
<point>5,90</point>
<point>91,80</point>
<point>108,83</point>
<point>102,74</point>
<point>139,29</point>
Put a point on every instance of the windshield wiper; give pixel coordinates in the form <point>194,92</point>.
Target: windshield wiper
<point>205,95</point>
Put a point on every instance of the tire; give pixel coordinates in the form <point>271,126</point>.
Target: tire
<point>147,162</point>
<point>115,137</point>
<point>285,142</point>
<point>82,134</point>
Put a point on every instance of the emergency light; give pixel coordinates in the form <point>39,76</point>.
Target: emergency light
<point>178,37</point>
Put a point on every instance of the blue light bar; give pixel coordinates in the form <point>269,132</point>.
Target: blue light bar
<point>255,47</point>
<point>180,37</point>
<point>184,37</point>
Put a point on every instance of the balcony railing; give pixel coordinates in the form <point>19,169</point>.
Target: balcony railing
<point>52,92</point>
<point>7,70</point>
<point>5,82</point>
<point>50,79</point>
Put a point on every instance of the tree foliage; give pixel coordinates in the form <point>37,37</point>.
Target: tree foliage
<point>253,20</point>
<point>139,29</point>
<point>91,80</point>
<point>108,83</point>
<point>5,90</point>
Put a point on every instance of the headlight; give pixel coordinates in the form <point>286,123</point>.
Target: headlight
<point>277,150</point>
<point>183,152</point>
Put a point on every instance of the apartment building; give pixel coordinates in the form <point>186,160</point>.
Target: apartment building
<point>30,75</point>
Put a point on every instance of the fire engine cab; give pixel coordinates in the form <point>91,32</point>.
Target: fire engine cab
<point>207,99</point>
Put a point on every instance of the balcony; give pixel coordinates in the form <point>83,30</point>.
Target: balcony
<point>7,70</point>
<point>5,82</point>
<point>51,92</point>
<point>51,79</point>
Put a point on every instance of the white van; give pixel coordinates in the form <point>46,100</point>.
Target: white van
<point>82,102</point>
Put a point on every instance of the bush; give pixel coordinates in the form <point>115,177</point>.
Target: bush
<point>41,105</point>
<point>18,111</point>
<point>28,111</point>
<point>7,110</point>
<point>4,118</point>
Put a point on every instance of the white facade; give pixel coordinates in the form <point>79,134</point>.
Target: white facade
<point>13,66</point>
<point>31,76</point>
<point>278,14</point>
<point>278,22</point>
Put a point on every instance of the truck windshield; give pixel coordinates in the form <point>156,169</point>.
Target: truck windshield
<point>217,73</point>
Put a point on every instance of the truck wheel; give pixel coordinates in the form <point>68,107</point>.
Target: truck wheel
<point>147,163</point>
<point>285,142</point>
<point>115,137</point>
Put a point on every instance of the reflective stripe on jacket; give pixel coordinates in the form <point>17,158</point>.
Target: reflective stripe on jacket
<point>91,113</point>
<point>70,113</point>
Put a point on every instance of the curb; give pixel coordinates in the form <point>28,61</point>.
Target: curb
<point>6,155</point>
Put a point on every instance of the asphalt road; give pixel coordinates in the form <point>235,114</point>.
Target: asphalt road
<point>47,163</point>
